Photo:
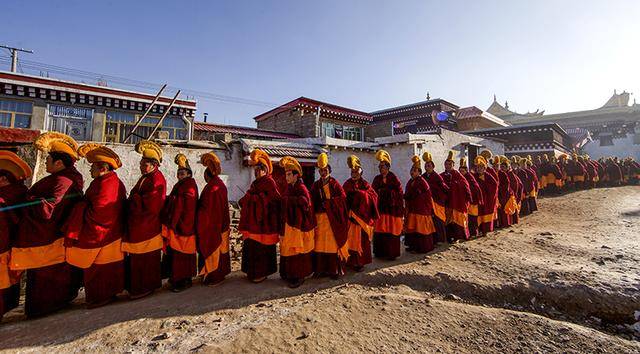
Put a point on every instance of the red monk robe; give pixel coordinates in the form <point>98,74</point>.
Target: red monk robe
<point>506,200</point>
<point>260,225</point>
<point>419,228</point>
<point>528,190</point>
<point>458,203</point>
<point>179,233</point>
<point>388,227</point>
<point>518,192</point>
<point>487,210</point>
<point>39,248</point>
<point>11,194</point>
<point>298,236</point>
<point>439,193</point>
<point>476,201</point>
<point>94,234</point>
<point>143,242</point>
<point>213,227</point>
<point>533,197</point>
<point>362,203</point>
<point>330,205</point>
<point>552,178</point>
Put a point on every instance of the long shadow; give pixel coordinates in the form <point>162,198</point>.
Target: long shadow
<point>233,293</point>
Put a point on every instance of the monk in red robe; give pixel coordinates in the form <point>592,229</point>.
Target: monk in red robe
<point>553,177</point>
<point>93,233</point>
<point>260,220</point>
<point>179,228</point>
<point>488,185</point>
<point>143,242</point>
<point>13,172</point>
<point>388,227</point>
<point>331,250</point>
<point>439,193</point>
<point>493,171</point>
<point>507,204</point>
<point>613,172</point>
<point>518,190</point>
<point>52,283</point>
<point>520,169</point>
<point>533,196</point>
<point>458,201</point>
<point>213,224</point>
<point>298,235</point>
<point>419,228</point>
<point>362,203</point>
<point>476,197</point>
<point>575,173</point>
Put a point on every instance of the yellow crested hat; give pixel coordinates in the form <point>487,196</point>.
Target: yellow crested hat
<point>415,162</point>
<point>426,157</point>
<point>496,160</point>
<point>290,164</point>
<point>486,154</point>
<point>480,161</point>
<point>323,160</point>
<point>13,164</point>
<point>212,162</point>
<point>259,157</point>
<point>449,156</point>
<point>463,162</point>
<point>149,150</point>
<point>383,156</point>
<point>182,162</point>
<point>353,162</point>
<point>505,160</point>
<point>57,142</point>
<point>98,153</point>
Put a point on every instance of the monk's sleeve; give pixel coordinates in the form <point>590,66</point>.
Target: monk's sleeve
<point>47,205</point>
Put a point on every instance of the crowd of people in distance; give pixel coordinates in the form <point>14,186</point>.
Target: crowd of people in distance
<point>57,237</point>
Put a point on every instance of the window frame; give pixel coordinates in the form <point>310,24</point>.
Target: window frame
<point>12,114</point>
<point>149,122</point>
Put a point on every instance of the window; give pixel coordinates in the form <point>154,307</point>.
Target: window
<point>15,114</point>
<point>606,140</point>
<point>338,131</point>
<point>120,124</point>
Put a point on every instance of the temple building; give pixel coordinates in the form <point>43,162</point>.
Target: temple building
<point>610,130</point>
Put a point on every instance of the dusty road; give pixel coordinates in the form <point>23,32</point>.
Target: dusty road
<point>566,279</point>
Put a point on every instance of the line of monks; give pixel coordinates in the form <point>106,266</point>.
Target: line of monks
<point>107,241</point>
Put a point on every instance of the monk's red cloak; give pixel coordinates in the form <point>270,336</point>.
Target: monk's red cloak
<point>390,196</point>
<point>260,208</point>
<point>99,218</point>
<point>460,193</point>
<point>146,201</point>
<point>439,189</point>
<point>362,200</point>
<point>213,220</point>
<point>489,188</point>
<point>418,197</point>
<point>335,207</point>
<point>179,213</point>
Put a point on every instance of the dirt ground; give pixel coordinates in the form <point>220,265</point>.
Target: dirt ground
<point>565,279</point>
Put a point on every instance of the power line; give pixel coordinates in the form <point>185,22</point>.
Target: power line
<point>89,75</point>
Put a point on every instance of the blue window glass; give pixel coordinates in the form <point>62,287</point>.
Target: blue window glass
<point>5,119</point>
<point>22,121</point>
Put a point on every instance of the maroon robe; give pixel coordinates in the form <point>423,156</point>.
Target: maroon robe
<point>386,237</point>
<point>458,203</point>
<point>439,193</point>
<point>527,189</point>
<point>9,280</point>
<point>335,207</point>
<point>505,193</point>
<point>213,223</point>
<point>362,202</point>
<point>518,192</point>
<point>486,211</point>
<point>260,225</point>
<point>299,223</point>
<point>52,285</point>
<point>98,221</point>
<point>419,205</point>
<point>179,232</point>
<point>146,201</point>
<point>476,201</point>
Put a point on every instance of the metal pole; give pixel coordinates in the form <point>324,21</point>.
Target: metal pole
<point>14,56</point>
<point>164,115</point>
<point>135,126</point>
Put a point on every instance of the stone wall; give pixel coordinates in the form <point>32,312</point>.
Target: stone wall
<point>378,130</point>
<point>292,122</point>
<point>621,148</point>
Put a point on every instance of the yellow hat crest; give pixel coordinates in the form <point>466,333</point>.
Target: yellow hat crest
<point>480,161</point>
<point>449,156</point>
<point>290,164</point>
<point>323,160</point>
<point>486,154</point>
<point>98,153</point>
<point>463,162</point>
<point>353,162</point>
<point>149,150</point>
<point>426,157</point>
<point>57,142</point>
<point>182,161</point>
<point>259,157</point>
<point>383,156</point>
<point>415,162</point>
<point>212,162</point>
<point>13,164</point>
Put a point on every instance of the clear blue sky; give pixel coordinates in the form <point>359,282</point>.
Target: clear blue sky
<point>367,55</point>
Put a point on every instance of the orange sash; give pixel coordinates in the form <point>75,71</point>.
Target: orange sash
<point>7,277</point>
<point>354,235</point>
<point>37,257</point>
<point>325,241</point>
<point>439,211</point>
<point>265,239</point>
<point>473,209</point>
<point>421,224</point>
<point>150,245</point>
<point>86,257</point>
<point>182,244</point>
<point>296,241</point>
<point>212,262</point>
<point>389,225</point>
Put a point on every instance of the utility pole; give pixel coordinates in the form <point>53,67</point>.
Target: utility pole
<point>14,56</point>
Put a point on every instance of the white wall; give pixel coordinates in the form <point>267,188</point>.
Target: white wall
<point>620,148</point>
